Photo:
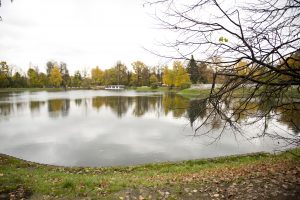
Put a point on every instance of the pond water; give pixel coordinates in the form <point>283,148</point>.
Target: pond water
<point>109,128</point>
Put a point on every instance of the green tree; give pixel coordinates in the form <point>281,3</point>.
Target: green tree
<point>33,77</point>
<point>43,79</point>
<point>205,73</point>
<point>55,77</point>
<point>153,80</point>
<point>145,76</point>
<point>76,79</point>
<point>49,66</point>
<point>193,71</point>
<point>121,73</point>
<point>4,75</point>
<point>138,69</point>
<point>64,74</point>
<point>110,76</point>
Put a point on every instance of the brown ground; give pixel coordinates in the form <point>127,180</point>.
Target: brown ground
<point>279,181</point>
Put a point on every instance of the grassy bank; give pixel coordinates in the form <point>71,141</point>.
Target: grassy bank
<point>242,177</point>
<point>192,93</point>
<point>241,92</point>
<point>159,89</point>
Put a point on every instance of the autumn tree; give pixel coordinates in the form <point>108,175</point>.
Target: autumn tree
<point>139,73</point>
<point>55,77</point>
<point>182,78</point>
<point>264,34</point>
<point>177,77</point>
<point>168,77</point>
<point>121,73</point>
<point>97,76</point>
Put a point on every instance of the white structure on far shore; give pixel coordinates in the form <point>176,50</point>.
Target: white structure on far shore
<point>115,87</point>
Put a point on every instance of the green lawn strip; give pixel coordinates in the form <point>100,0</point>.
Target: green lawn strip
<point>238,93</point>
<point>192,93</point>
<point>79,182</point>
<point>150,89</point>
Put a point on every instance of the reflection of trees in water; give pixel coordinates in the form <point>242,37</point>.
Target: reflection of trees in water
<point>142,104</point>
<point>197,109</point>
<point>57,107</point>
<point>175,104</point>
<point>259,111</point>
<point>290,115</point>
<point>6,109</point>
<point>98,102</point>
<point>117,104</point>
<point>21,106</point>
<point>35,106</point>
<point>242,112</point>
<point>78,102</point>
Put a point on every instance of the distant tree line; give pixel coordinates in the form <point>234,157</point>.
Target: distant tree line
<point>57,75</point>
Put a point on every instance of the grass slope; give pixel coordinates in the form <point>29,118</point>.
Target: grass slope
<point>253,176</point>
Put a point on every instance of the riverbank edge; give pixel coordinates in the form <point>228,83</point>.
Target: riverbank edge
<point>179,180</point>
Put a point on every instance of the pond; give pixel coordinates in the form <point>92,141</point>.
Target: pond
<point>111,128</point>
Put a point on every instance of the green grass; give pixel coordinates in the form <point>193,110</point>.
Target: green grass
<point>192,93</point>
<point>238,93</point>
<point>71,182</point>
<point>149,89</point>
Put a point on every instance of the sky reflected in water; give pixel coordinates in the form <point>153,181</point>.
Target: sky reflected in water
<point>106,128</point>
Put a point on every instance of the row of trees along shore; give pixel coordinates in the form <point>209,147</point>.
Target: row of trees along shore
<point>57,75</point>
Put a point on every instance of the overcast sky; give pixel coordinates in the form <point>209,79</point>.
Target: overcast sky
<point>82,33</point>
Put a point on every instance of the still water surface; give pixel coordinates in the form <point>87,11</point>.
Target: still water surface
<point>108,128</point>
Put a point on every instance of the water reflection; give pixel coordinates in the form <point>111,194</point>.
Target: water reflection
<point>123,128</point>
<point>290,115</point>
<point>78,102</point>
<point>171,104</point>
<point>6,109</point>
<point>141,105</point>
<point>58,107</point>
<point>197,109</point>
<point>119,105</point>
<point>35,106</point>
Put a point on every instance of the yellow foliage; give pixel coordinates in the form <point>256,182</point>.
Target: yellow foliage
<point>97,76</point>
<point>177,77</point>
<point>55,77</point>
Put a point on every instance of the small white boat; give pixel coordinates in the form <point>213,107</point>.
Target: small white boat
<point>115,87</point>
